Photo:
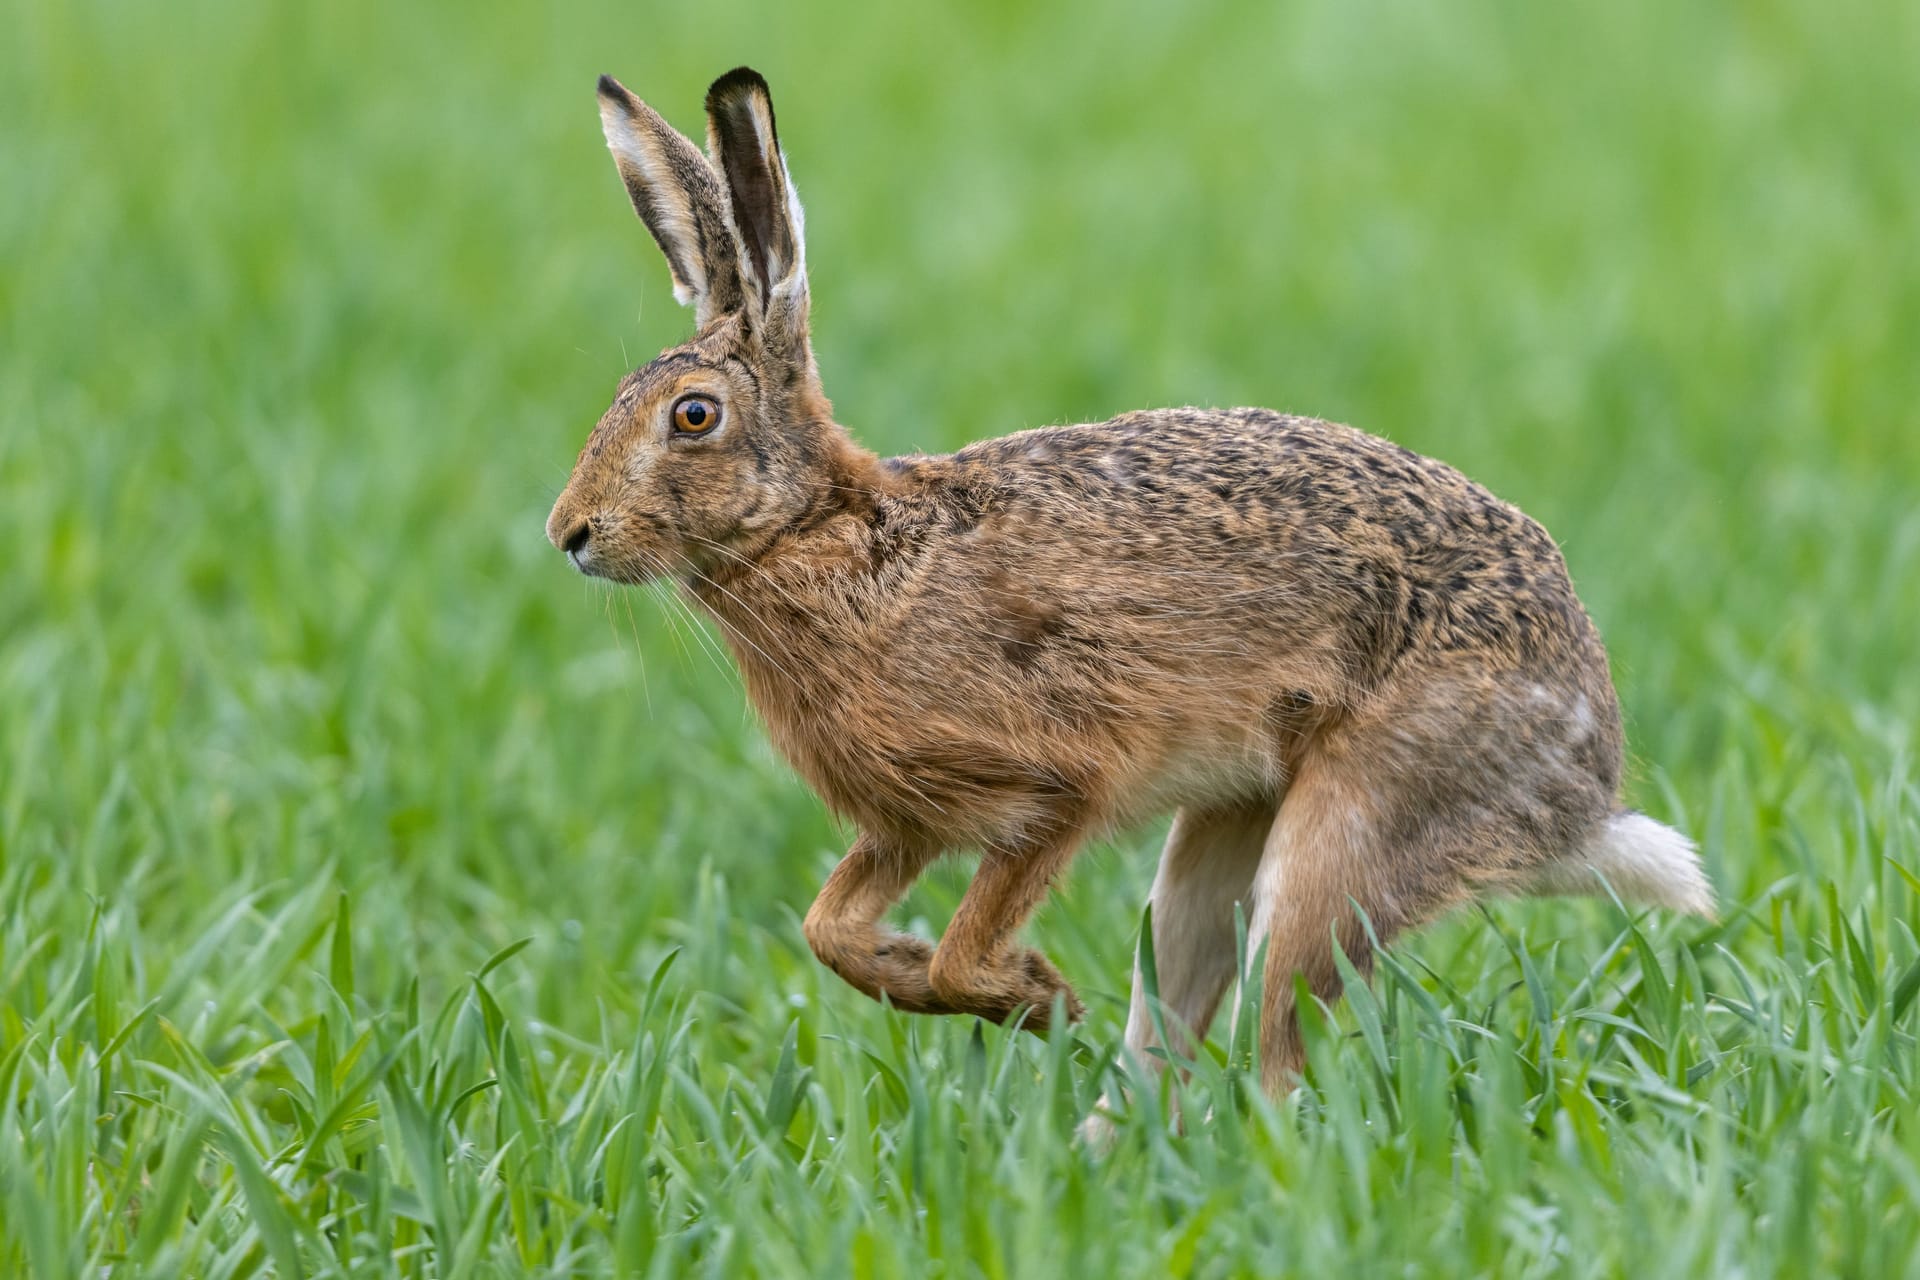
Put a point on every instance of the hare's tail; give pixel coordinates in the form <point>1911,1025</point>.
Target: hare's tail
<point>1647,864</point>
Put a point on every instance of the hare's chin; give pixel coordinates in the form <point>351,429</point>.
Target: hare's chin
<point>618,569</point>
<point>592,565</point>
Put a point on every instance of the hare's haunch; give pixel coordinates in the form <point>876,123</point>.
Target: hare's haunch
<point>1357,676</point>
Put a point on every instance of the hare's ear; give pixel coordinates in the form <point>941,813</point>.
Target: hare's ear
<point>766,212</point>
<point>675,192</point>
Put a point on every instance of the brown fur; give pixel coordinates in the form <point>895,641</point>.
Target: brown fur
<point>1346,665</point>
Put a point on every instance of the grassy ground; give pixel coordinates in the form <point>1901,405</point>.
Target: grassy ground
<point>376,898</point>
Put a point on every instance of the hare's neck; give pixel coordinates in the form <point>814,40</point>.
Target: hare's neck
<point>778,606</point>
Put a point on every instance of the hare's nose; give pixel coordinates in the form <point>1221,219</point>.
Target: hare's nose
<point>576,537</point>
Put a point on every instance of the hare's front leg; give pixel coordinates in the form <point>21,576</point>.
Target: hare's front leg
<point>976,968</point>
<point>843,925</point>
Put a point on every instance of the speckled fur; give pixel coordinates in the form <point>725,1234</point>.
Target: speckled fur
<point>1359,676</point>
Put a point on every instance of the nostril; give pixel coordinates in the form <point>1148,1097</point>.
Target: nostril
<point>576,537</point>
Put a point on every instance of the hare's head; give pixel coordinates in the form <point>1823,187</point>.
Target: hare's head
<point>711,450</point>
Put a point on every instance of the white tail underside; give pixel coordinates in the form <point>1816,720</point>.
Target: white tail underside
<point>1648,864</point>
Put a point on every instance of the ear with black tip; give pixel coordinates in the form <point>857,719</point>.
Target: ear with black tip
<point>766,212</point>
<point>678,196</point>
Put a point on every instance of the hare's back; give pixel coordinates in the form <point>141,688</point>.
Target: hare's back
<point>1247,512</point>
<point>1197,479</point>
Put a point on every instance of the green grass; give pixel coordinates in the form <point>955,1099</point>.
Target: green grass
<point>376,898</point>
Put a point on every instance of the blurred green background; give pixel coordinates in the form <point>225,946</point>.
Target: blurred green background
<point>306,311</point>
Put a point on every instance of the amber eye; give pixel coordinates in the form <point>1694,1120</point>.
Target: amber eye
<point>696,415</point>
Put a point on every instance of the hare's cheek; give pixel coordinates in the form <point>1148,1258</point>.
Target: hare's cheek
<point>762,503</point>
<point>756,509</point>
<point>744,509</point>
<point>641,468</point>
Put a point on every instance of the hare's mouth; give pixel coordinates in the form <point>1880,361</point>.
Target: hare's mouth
<point>592,548</point>
<point>594,561</point>
<point>625,566</point>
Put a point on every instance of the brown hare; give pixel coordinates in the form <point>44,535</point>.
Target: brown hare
<point>1355,675</point>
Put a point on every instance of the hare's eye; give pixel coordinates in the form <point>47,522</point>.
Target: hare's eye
<point>695,415</point>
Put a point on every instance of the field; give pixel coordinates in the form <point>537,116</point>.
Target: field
<point>378,898</point>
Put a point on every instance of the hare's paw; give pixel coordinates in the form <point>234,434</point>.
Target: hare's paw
<point>1021,984</point>
<point>900,963</point>
<point>889,966</point>
<point>1043,983</point>
<point>1097,1132</point>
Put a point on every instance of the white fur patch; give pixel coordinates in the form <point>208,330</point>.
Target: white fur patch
<point>1646,863</point>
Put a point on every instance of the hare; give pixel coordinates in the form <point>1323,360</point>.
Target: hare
<point>1359,679</point>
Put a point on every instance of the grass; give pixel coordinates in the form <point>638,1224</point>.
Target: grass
<point>378,899</point>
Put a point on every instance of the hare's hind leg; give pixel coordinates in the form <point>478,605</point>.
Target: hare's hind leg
<point>1206,869</point>
<point>1323,856</point>
<point>1451,785</point>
